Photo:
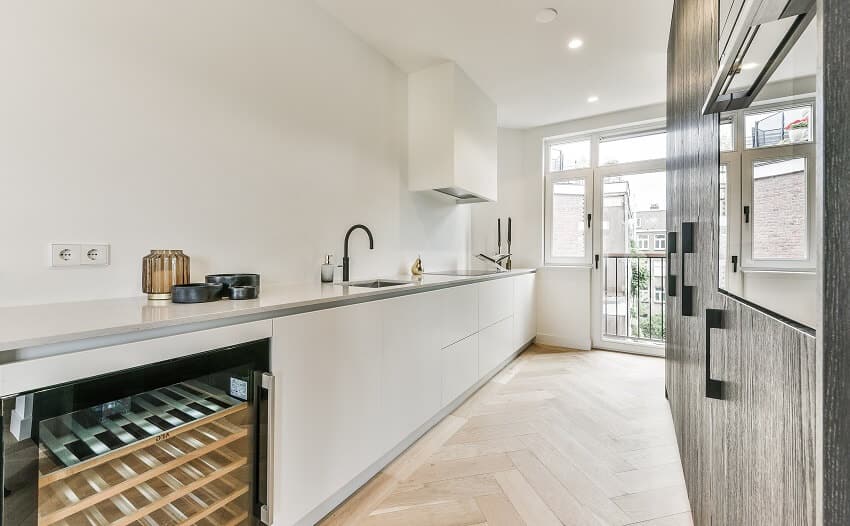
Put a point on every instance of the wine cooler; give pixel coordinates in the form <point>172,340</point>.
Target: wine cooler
<point>180,442</point>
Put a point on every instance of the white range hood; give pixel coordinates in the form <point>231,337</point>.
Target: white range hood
<point>451,135</point>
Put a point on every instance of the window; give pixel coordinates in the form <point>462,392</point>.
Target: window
<point>638,222</point>
<point>569,155</point>
<point>658,295</point>
<point>632,148</point>
<point>660,242</point>
<point>727,134</point>
<point>778,127</point>
<point>568,201</point>
<point>657,268</point>
<point>643,242</point>
<point>779,214</point>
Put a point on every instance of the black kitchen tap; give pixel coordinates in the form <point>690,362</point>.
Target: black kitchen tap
<point>346,266</point>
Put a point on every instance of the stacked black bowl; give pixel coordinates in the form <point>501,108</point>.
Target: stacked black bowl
<point>237,286</point>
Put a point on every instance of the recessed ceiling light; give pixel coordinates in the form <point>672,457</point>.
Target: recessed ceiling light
<point>592,99</point>
<point>575,43</point>
<point>544,16</point>
<point>749,65</point>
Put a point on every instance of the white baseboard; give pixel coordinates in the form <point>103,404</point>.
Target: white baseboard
<point>557,340</point>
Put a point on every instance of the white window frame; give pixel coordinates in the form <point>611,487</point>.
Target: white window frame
<point>732,160</point>
<point>655,241</point>
<point>748,158</point>
<point>552,179</point>
<point>640,239</point>
<point>739,192</point>
<point>658,295</point>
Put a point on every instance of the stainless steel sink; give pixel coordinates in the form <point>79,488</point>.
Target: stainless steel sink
<point>376,283</point>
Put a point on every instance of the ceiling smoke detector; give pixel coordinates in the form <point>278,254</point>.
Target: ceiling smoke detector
<point>544,16</point>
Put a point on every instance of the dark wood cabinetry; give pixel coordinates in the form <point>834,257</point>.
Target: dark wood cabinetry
<point>750,456</point>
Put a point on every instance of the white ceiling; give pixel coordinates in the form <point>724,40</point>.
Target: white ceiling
<point>525,67</point>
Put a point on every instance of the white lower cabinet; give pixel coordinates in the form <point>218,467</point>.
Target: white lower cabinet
<point>328,406</point>
<point>495,344</point>
<point>525,309</point>
<point>411,368</point>
<point>459,367</point>
<point>354,382</point>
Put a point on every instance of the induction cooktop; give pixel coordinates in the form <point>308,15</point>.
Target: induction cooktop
<point>465,272</point>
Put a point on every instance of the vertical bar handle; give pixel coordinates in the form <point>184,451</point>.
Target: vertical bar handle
<point>596,260</point>
<point>589,216</point>
<point>266,507</point>
<point>713,320</point>
<point>746,214</point>
<point>687,248</point>
<point>671,249</point>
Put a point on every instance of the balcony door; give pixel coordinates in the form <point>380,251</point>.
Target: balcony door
<point>630,272</point>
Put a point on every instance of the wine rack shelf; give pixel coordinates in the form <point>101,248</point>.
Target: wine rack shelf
<point>195,473</point>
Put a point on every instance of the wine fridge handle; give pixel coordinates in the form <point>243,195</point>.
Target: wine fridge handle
<point>266,511</point>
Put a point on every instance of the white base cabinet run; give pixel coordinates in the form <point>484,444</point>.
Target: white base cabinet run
<point>357,382</point>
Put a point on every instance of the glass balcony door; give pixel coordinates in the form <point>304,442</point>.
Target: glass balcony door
<point>630,277</point>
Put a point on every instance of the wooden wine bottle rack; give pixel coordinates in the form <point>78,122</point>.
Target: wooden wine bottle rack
<point>193,474</point>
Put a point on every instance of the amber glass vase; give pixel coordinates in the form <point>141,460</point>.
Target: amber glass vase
<point>161,270</point>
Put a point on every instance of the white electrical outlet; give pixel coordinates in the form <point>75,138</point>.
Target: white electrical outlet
<point>91,254</point>
<point>64,255</point>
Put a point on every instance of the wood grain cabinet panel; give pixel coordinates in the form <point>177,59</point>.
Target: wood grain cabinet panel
<point>748,458</point>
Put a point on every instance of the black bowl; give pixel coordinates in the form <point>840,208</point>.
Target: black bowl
<point>234,280</point>
<point>243,292</point>
<point>196,292</point>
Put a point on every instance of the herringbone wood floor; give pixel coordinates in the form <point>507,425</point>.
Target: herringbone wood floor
<point>574,438</point>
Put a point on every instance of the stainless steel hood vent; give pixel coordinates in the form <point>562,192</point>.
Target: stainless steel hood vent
<point>461,196</point>
<point>756,37</point>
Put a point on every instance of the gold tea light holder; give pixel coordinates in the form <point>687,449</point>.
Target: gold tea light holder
<point>161,270</point>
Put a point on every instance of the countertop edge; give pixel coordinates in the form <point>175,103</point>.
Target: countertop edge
<point>149,330</point>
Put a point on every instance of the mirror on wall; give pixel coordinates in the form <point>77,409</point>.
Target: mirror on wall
<point>767,237</point>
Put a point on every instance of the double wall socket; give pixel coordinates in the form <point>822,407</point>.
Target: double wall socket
<point>79,254</point>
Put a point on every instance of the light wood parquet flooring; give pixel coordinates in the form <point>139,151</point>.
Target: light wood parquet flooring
<point>557,438</point>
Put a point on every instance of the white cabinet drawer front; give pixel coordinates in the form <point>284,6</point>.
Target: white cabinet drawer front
<point>458,313</point>
<point>460,367</point>
<point>328,365</point>
<point>411,368</point>
<point>495,301</point>
<point>525,310</point>
<point>495,344</point>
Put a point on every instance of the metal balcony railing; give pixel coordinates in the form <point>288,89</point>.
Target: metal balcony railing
<point>634,298</point>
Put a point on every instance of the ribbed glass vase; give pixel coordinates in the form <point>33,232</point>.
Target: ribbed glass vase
<point>161,270</point>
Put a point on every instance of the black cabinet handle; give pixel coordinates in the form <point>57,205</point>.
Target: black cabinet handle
<point>588,220</point>
<point>596,259</point>
<point>687,248</point>
<point>713,320</point>
<point>746,214</point>
<point>671,278</point>
<point>734,263</point>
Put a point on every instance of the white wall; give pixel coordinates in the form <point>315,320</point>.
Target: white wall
<point>564,293</point>
<point>251,135</point>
